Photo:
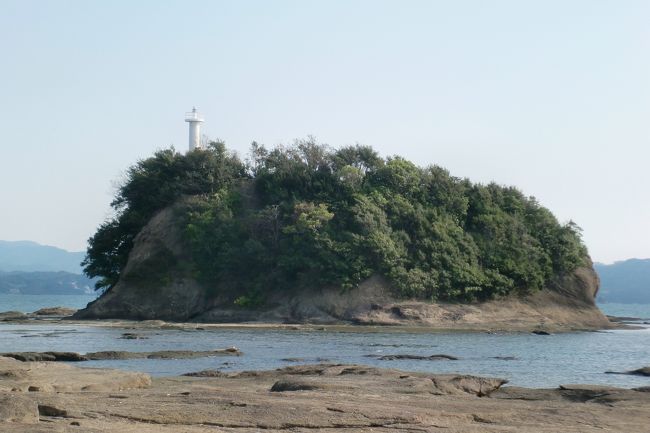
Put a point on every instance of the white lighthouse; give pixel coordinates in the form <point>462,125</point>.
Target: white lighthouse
<point>195,120</point>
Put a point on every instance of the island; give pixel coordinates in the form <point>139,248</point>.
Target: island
<point>310,234</point>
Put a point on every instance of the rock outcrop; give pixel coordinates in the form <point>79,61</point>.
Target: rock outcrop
<point>567,304</point>
<point>643,371</point>
<point>17,377</point>
<point>118,354</point>
<point>55,311</point>
<point>438,357</point>
<point>50,313</point>
<point>18,409</point>
<point>137,296</point>
<point>306,398</point>
<point>12,316</point>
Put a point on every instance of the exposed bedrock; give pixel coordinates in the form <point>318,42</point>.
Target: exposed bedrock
<point>437,357</point>
<point>118,355</point>
<point>643,371</point>
<point>46,377</point>
<point>307,398</point>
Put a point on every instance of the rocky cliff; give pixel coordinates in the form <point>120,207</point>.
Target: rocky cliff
<point>145,292</point>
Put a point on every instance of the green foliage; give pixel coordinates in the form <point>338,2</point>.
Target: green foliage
<point>149,186</point>
<point>306,215</point>
<point>252,300</point>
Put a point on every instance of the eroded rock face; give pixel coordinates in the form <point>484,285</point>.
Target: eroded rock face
<point>171,296</point>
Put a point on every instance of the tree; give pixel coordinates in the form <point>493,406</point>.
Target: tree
<point>303,215</point>
<point>151,185</point>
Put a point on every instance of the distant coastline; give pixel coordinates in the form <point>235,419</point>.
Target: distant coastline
<point>627,281</point>
<point>45,283</point>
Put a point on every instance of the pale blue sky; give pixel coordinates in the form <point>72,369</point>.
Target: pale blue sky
<point>550,96</point>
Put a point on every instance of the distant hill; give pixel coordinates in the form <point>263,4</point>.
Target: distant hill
<point>27,256</point>
<point>626,282</point>
<point>45,283</point>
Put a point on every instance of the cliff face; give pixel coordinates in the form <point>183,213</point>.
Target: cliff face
<point>145,292</point>
<point>151,285</point>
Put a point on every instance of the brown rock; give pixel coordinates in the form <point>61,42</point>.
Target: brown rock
<point>46,377</point>
<point>113,355</point>
<point>164,354</point>
<point>55,311</point>
<point>464,384</point>
<point>293,385</point>
<point>177,299</point>
<point>18,409</point>
<point>8,316</point>
<point>322,398</point>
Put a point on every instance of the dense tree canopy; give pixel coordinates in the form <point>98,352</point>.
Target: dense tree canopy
<point>305,215</point>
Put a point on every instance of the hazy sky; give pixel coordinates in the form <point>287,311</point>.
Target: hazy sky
<point>550,96</point>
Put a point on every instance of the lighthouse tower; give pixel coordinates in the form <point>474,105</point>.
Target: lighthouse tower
<point>195,120</point>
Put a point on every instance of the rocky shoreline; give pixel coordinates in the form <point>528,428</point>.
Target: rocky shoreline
<point>46,392</point>
<point>566,305</point>
<point>475,321</point>
<point>118,355</point>
<point>54,397</point>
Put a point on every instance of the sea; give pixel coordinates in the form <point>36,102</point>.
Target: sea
<point>541,361</point>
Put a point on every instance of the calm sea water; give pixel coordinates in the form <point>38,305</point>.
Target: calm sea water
<point>31,303</point>
<point>641,311</point>
<point>540,361</point>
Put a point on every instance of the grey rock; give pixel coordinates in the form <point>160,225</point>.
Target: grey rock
<point>437,357</point>
<point>293,385</point>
